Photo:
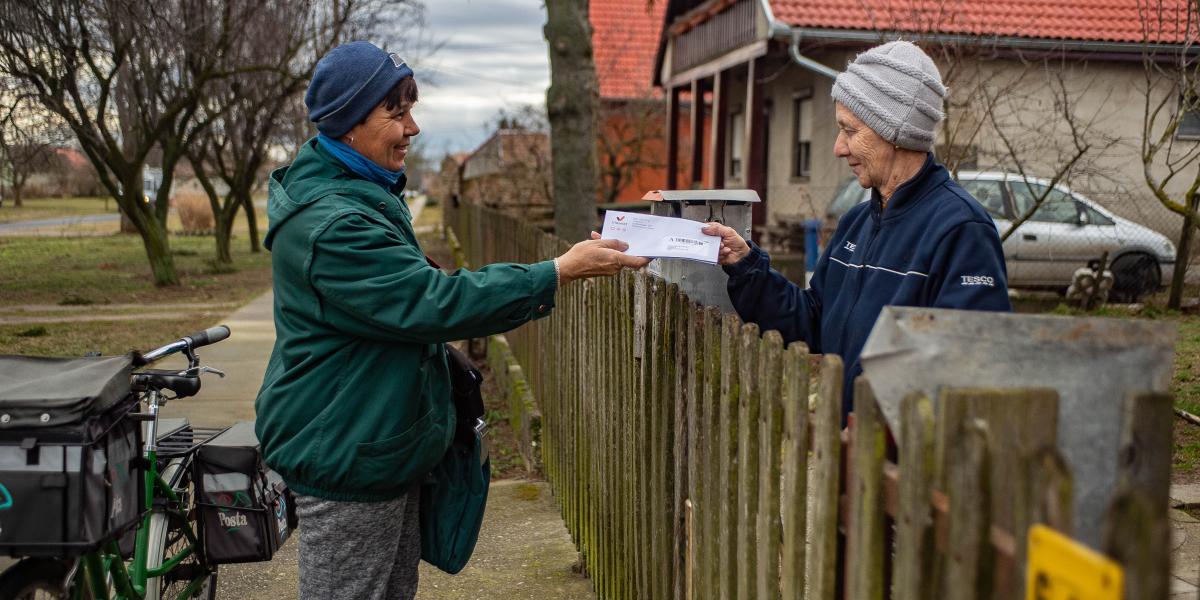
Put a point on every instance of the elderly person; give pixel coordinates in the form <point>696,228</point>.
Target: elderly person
<point>355,405</point>
<point>921,240</point>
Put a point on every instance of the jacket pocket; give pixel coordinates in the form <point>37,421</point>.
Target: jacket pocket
<point>401,459</point>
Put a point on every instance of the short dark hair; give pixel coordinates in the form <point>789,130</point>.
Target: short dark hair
<point>404,92</point>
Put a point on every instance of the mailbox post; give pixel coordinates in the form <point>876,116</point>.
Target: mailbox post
<point>702,282</point>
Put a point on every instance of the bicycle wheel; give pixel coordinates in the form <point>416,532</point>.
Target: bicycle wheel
<point>167,539</point>
<point>35,579</point>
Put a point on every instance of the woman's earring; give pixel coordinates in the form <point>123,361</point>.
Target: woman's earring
<point>351,139</point>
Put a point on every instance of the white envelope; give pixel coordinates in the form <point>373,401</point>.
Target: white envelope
<point>661,237</point>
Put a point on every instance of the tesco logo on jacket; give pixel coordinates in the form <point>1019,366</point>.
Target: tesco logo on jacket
<point>978,280</point>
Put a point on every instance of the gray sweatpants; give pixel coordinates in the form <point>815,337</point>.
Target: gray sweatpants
<point>359,550</point>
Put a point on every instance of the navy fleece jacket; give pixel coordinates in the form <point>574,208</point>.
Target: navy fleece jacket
<point>933,246</point>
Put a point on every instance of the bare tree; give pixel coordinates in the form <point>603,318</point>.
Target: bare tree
<point>1016,111</point>
<point>28,140</point>
<point>1057,145</point>
<point>632,138</point>
<point>571,105</point>
<point>1171,98</point>
<point>127,78</point>
<point>260,109</point>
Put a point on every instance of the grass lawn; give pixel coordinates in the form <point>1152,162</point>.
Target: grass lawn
<point>49,208</point>
<point>80,276</point>
<point>105,337</point>
<point>113,269</point>
<point>1186,387</point>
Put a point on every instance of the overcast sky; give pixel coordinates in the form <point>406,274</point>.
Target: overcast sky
<point>492,57</point>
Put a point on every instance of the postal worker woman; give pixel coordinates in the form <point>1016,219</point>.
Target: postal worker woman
<point>355,405</point>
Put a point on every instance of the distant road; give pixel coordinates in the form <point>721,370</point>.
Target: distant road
<point>18,225</point>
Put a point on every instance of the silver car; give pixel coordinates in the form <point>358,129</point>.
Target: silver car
<point>1065,232</point>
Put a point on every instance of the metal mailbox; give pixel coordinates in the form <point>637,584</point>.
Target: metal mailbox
<point>702,283</point>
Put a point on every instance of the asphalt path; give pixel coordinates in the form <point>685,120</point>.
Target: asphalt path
<point>58,221</point>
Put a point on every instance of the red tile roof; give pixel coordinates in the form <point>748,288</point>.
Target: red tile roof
<point>1086,20</point>
<point>624,40</point>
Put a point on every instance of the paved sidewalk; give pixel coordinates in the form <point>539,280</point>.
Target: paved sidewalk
<point>243,357</point>
<point>1185,556</point>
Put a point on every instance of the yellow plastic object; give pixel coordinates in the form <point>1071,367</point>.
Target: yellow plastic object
<point>1062,569</point>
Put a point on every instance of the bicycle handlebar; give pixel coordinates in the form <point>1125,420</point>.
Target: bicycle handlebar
<point>211,335</point>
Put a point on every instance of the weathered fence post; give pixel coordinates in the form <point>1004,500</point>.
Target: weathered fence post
<point>827,453</point>
<point>968,568</point>
<point>914,525</point>
<point>747,459</point>
<point>714,358</point>
<point>683,432</point>
<point>865,538</point>
<point>770,435</point>
<point>793,495</point>
<point>1137,530</point>
<point>725,485</point>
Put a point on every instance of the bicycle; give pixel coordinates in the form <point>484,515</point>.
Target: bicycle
<point>163,556</point>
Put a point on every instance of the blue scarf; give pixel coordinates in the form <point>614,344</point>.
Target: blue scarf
<point>359,164</point>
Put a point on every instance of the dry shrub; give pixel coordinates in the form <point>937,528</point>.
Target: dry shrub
<point>194,212</point>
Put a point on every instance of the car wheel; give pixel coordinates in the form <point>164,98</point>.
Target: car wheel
<point>1134,275</point>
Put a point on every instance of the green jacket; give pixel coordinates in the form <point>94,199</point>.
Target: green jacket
<point>355,404</point>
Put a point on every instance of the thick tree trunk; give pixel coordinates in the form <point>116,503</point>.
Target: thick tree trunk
<point>223,228</point>
<point>247,204</point>
<point>1182,252</point>
<point>18,188</point>
<point>223,232</point>
<point>571,106</point>
<point>158,251</point>
<point>224,214</point>
<point>152,229</point>
<point>154,239</point>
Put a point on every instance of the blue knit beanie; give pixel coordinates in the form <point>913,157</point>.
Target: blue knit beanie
<point>349,83</point>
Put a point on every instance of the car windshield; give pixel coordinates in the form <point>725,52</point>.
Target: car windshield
<point>848,194</point>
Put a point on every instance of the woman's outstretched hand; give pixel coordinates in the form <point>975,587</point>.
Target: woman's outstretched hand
<point>596,257</point>
<point>733,247</point>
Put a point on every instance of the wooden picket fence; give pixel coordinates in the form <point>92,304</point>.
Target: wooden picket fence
<point>691,462</point>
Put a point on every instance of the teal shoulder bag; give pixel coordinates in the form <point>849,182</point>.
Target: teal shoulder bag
<point>454,494</point>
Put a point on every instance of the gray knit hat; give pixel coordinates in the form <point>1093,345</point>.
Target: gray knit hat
<point>897,91</point>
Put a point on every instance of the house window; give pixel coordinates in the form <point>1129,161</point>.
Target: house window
<point>1189,125</point>
<point>802,135</point>
<point>737,143</point>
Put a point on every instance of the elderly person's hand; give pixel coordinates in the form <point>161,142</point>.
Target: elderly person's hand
<point>596,257</point>
<point>733,247</point>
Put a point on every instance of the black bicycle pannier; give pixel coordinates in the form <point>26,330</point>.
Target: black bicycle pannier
<point>246,510</point>
<point>70,459</point>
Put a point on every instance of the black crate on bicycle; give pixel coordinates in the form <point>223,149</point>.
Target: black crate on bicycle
<point>70,457</point>
<point>245,509</point>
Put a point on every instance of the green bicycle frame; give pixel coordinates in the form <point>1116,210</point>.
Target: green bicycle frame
<point>130,583</point>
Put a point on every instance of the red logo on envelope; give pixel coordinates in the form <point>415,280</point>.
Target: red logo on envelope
<point>620,218</point>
